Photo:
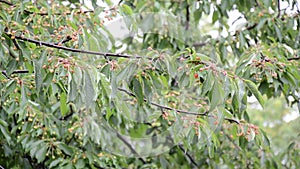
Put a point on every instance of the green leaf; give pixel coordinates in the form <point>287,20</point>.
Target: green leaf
<point>80,164</point>
<point>127,72</point>
<point>261,23</point>
<point>215,16</point>
<point>3,123</point>
<point>65,148</point>
<point>197,15</point>
<point>265,138</point>
<point>72,90</point>
<point>5,132</point>
<point>242,40</point>
<point>25,50</point>
<point>278,32</point>
<point>138,91</point>
<point>68,166</point>
<point>41,154</point>
<point>126,9</point>
<point>216,96</point>
<point>184,80</point>
<point>211,151</point>
<point>93,43</point>
<point>105,84</point>
<point>1,27</point>
<point>89,89</point>
<point>109,3</point>
<point>11,66</point>
<point>63,104</point>
<point>253,88</point>
<point>235,103</point>
<point>242,142</point>
<point>55,162</point>
<point>147,89</point>
<point>208,83</point>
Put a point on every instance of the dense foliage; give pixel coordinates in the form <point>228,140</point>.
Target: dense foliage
<point>166,93</point>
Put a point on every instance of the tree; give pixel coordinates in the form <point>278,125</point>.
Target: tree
<point>75,93</point>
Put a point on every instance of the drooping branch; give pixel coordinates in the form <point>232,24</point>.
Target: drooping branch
<point>53,45</point>
<point>177,110</point>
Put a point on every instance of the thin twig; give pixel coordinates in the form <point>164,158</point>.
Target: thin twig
<point>232,120</point>
<point>187,22</point>
<point>164,107</point>
<point>235,145</point>
<point>188,155</point>
<point>129,146</point>
<point>257,3</point>
<point>240,17</point>
<point>67,39</point>
<point>200,44</point>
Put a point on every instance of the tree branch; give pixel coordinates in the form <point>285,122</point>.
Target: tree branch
<point>53,45</point>
<point>278,8</point>
<point>15,71</point>
<point>6,2</point>
<point>294,58</point>
<point>42,13</point>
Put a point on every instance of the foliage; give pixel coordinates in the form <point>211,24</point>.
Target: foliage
<point>177,99</point>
